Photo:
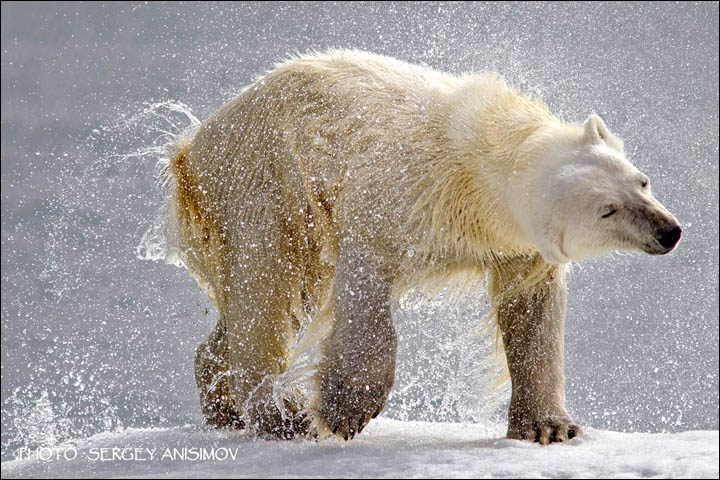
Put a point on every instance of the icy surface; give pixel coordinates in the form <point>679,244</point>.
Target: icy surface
<point>386,449</point>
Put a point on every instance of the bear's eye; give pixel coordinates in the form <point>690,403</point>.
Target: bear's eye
<point>609,213</point>
<point>645,183</point>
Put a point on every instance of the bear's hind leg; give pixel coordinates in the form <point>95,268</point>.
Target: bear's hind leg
<point>211,377</point>
<point>259,325</point>
<point>235,372</point>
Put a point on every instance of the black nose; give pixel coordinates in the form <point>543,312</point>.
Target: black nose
<point>671,237</point>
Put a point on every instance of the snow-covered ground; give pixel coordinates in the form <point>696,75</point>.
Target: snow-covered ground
<point>387,448</point>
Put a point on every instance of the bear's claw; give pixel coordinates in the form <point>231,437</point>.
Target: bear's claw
<point>546,431</point>
<point>347,408</point>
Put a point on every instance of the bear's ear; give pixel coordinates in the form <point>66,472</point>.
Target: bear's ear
<point>595,130</point>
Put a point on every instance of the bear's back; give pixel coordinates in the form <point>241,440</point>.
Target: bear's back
<point>357,69</point>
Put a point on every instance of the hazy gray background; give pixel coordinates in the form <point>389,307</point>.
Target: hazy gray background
<point>93,338</point>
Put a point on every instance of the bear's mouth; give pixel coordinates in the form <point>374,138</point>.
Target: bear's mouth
<point>654,248</point>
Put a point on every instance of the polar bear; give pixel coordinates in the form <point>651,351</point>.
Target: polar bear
<point>339,181</point>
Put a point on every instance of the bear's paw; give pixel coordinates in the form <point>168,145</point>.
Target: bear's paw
<point>348,406</point>
<point>545,430</point>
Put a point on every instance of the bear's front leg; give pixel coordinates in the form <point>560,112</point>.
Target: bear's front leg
<point>358,370</point>
<point>532,318</point>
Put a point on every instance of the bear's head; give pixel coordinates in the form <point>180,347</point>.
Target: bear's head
<point>589,200</point>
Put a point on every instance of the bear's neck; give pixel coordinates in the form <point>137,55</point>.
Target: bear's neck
<point>466,212</point>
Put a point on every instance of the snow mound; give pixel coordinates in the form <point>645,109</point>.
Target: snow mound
<point>387,448</point>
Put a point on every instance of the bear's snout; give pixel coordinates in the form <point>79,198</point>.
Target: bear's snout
<point>670,237</point>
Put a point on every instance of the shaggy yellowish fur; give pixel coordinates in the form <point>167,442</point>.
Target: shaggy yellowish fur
<point>341,180</point>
